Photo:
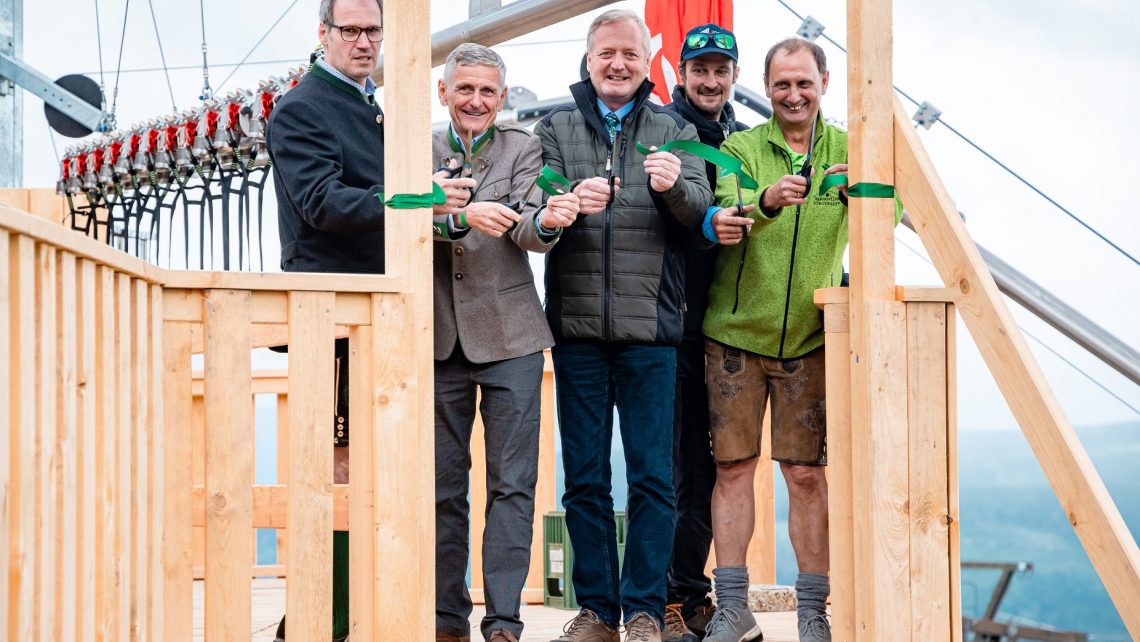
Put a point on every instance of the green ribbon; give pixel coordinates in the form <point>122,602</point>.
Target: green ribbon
<point>552,182</point>
<point>727,164</point>
<point>871,190</point>
<point>414,201</point>
<point>858,190</point>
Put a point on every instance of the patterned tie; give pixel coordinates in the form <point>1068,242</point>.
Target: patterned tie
<point>611,125</point>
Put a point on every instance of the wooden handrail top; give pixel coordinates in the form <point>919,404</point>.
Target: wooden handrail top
<point>82,246</point>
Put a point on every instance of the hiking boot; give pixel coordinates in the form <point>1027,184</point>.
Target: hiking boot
<point>699,620</point>
<point>501,635</point>
<point>733,625</point>
<point>440,636</point>
<point>642,627</point>
<point>586,627</point>
<point>675,629</point>
<point>815,628</point>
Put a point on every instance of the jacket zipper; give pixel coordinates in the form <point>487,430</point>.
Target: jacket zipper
<point>791,271</point>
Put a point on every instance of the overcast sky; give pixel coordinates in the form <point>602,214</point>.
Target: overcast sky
<point>1049,88</point>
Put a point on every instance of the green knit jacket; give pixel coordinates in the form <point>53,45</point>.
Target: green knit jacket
<point>762,322</point>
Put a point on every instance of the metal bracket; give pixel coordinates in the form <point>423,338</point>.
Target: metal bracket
<point>927,115</point>
<point>37,83</point>
<point>810,28</point>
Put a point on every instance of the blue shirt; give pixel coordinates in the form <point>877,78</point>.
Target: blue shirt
<point>369,88</point>
<point>620,113</point>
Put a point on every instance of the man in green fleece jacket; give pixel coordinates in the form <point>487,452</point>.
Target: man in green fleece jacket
<point>765,335</point>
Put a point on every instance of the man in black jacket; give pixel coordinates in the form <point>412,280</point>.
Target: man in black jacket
<point>615,296</point>
<point>326,140</point>
<point>708,70</point>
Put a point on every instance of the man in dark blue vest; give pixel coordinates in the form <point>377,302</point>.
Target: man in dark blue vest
<point>326,140</point>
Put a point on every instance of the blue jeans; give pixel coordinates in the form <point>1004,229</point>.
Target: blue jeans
<point>591,377</point>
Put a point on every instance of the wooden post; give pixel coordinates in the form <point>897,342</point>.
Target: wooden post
<point>878,340</point>
<point>840,505</point>
<point>405,445</point>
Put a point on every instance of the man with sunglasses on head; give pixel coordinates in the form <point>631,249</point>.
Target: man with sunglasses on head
<point>489,336</point>
<point>615,301</point>
<point>708,70</point>
<point>326,140</point>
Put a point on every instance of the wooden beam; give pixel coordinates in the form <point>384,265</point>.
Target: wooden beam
<point>269,506</point>
<point>840,504</point>
<point>879,437</point>
<point>405,481</point>
<point>311,406</point>
<point>177,543</point>
<point>1078,487</point>
<point>229,466</point>
<point>361,495</point>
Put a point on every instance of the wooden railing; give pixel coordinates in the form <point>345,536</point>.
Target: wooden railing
<point>98,466</point>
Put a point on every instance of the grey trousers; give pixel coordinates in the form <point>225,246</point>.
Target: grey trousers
<point>509,407</point>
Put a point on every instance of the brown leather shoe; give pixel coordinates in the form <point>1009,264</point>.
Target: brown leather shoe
<point>499,635</point>
<point>642,627</point>
<point>586,627</point>
<point>440,636</point>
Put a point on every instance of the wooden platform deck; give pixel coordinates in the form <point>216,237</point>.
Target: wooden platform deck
<point>542,623</point>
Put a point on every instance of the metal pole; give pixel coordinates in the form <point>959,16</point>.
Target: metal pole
<point>11,99</point>
<point>489,29</point>
<point>1063,317</point>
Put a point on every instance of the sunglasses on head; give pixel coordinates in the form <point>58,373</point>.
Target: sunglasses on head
<point>721,40</point>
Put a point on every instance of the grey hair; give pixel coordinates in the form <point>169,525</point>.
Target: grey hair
<point>470,54</point>
<point>325,12</point>
<point>617,15</point>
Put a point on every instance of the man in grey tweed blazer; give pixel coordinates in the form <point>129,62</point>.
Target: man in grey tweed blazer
<point>490,332</point>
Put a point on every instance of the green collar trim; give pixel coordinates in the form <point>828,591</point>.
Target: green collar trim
<point>776,135</point>
<point>323,74</point>
<point>477,144</point>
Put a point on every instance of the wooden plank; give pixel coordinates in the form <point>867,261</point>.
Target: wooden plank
<point>926,415</point>
<point>840,503</point>
<point>361,498</point>
<point>140,449</point>
<point>198,475</point>
<point>405,555</point>
<point>46,204</point>
<point>877,338</point>
<point>282,463</point>
<point>311,396</point>
<point>270,506</point>
<point>87,447</point>
<point>762,548</point>
<point>107,570</point>
<point>229,466</point>
<point>404,486</point>
<point>50,233</point>
<point>268,307</point>
<point>1090,509</point>
<point>47,447</point>
<point>22,419</point>
<point>879,436</point>
<point>281,282</point>
<point>952,475</point>
<point>156,465</point>
<point>913,294</point>
<point>124,440</point>
<point>7,523</point>
<point>67,501</point>
<point>177,451</point>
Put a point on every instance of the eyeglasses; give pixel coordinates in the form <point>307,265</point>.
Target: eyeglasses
<point>352,34</point>
<point>721,40</point>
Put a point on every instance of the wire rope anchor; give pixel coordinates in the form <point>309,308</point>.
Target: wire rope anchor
<point>927,114</point>
<point>810,28</point>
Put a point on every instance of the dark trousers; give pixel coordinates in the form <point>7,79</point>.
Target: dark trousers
<point>591,378</point>
<point>694,475</point>
<point>509,406</point>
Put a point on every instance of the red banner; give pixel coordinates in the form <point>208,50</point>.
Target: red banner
<point>669,21</point>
